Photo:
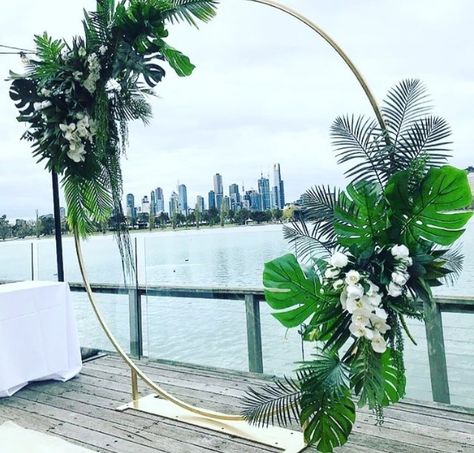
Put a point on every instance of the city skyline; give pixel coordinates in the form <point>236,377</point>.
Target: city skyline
<point>239,109</point>
<point>268,194</point>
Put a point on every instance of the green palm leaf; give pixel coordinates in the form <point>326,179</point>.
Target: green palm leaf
<point>360,217</point>
<point>358,141</point>
<point>190,10</point>
<point>428,214</point>
<point>307,242</point>
<point>277,402</point>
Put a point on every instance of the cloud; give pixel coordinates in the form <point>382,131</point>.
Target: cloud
<point>265,90</point>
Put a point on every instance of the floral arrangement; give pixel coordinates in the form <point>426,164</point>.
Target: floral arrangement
<point>369,257</point>
<point>77,98</point>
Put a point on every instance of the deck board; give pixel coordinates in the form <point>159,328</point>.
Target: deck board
<point>82,411</point>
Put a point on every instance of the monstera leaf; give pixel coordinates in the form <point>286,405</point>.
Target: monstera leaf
<point>360,216</point>
<point>23,92</point>
<point>430,212</point>
<point>288,290</point>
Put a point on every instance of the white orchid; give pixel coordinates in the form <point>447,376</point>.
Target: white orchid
<point>394,290</point>
<point>355,291</point>
<point>339,260</point>
<point>378,343</point>
<point>360,331</point>
<point>343,299</point>
<point>357,304</point>
<point>76,152</point>
<point>102,49</point>
<point>373,288</point>
<point>379,324</point>
<point>45,92</point>
<point>352,277</point>
<point>361,316</point>
<point>381,313</point>
<point>375,299</point>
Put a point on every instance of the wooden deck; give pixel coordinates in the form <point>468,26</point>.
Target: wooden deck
<point>82,411</point>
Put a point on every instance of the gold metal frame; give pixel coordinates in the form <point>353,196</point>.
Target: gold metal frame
<point>174,408</point>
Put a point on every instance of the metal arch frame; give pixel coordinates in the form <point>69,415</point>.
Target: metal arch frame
<point>172,407</point>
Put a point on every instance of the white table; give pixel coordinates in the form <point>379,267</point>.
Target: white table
<point>38,335</point>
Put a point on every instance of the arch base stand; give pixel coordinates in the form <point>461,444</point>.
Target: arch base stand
<point>283,439</point>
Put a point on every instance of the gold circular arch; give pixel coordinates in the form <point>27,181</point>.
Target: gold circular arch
<point>136,371</point>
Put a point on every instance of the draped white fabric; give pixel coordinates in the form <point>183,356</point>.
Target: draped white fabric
<point>38,335</point>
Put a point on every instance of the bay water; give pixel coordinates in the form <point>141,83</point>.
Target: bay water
<point>213,332</point>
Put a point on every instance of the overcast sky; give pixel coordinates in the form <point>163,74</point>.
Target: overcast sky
<point>266,89</point>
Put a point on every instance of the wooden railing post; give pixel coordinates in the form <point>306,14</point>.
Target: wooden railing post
<point>254,334</point>
<point>436,353</point>
<point>135,321</point>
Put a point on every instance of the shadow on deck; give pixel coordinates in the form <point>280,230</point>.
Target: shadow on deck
<point>82,411</point>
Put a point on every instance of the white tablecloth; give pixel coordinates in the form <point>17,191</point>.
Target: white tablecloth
<point>38,335</point>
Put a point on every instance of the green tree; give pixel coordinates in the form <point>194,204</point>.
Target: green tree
<point>260,216</point>
<point>277,214</point>
<point>46,225</point>
<point>241,216</point>
<point>5,228</point>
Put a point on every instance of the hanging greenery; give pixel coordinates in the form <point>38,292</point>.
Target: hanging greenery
<point>77,99</point>
<point>371,255</point>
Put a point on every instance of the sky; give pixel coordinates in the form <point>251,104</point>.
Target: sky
<point>266,89</point>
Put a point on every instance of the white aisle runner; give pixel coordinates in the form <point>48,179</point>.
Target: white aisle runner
<point>15,439</point>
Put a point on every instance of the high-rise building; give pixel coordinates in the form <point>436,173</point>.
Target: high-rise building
<point>152,203</point>
<point>200,204</point>
<point>225,204</point>
<point>211,200</point>
<point>219,190</point>
<point>183,199</point>
<point>145,205</point>
<point>159,200</point>
<point>234,196</point>
<point>278,189</point>
<point>264,190</point>
<point>253,200</point>
<point>174,204</point>
<point>130,211</point>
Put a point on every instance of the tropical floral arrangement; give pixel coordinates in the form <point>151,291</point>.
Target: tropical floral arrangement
<point>369,257</point>
<point>77,98</point>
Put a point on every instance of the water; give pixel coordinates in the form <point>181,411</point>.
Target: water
<point>213,332</point>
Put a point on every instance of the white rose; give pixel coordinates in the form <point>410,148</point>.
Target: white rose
<point>400,278</point>
<point>378,343</point>
<point>331,272</point>
<point>394,290</point>
<point>338,260</point>
<point>400,252</point>
<point>355,291</point>
<point>352,277</point>
<point>338,284</point>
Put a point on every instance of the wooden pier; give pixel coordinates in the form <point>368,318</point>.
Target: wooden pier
<point>83,411</point>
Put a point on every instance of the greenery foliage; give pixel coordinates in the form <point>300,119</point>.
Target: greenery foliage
<point>77,98</point>
<point>369,255</point>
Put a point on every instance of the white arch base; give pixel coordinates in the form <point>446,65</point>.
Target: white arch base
<point>284,439</point>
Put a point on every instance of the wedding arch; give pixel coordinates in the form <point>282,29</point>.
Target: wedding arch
<point>78,98</point>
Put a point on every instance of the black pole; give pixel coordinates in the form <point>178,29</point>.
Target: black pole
<point>57,227</point>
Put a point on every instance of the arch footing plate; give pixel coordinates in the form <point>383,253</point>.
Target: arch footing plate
<point>283,439</point>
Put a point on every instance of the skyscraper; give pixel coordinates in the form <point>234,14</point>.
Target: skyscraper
<point>200,204</point>
<point>264,190</point>
<point>183,199</point>
<point>212,200</point>
<point>145,205</point>
<point>130,211</point>
<point>234,196</point>
<point>152,203</point>
<point>174,204</point>
<point>219,190</point>
<point>278,189</point>
<point>159,200</point>
<point>253,200</point>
